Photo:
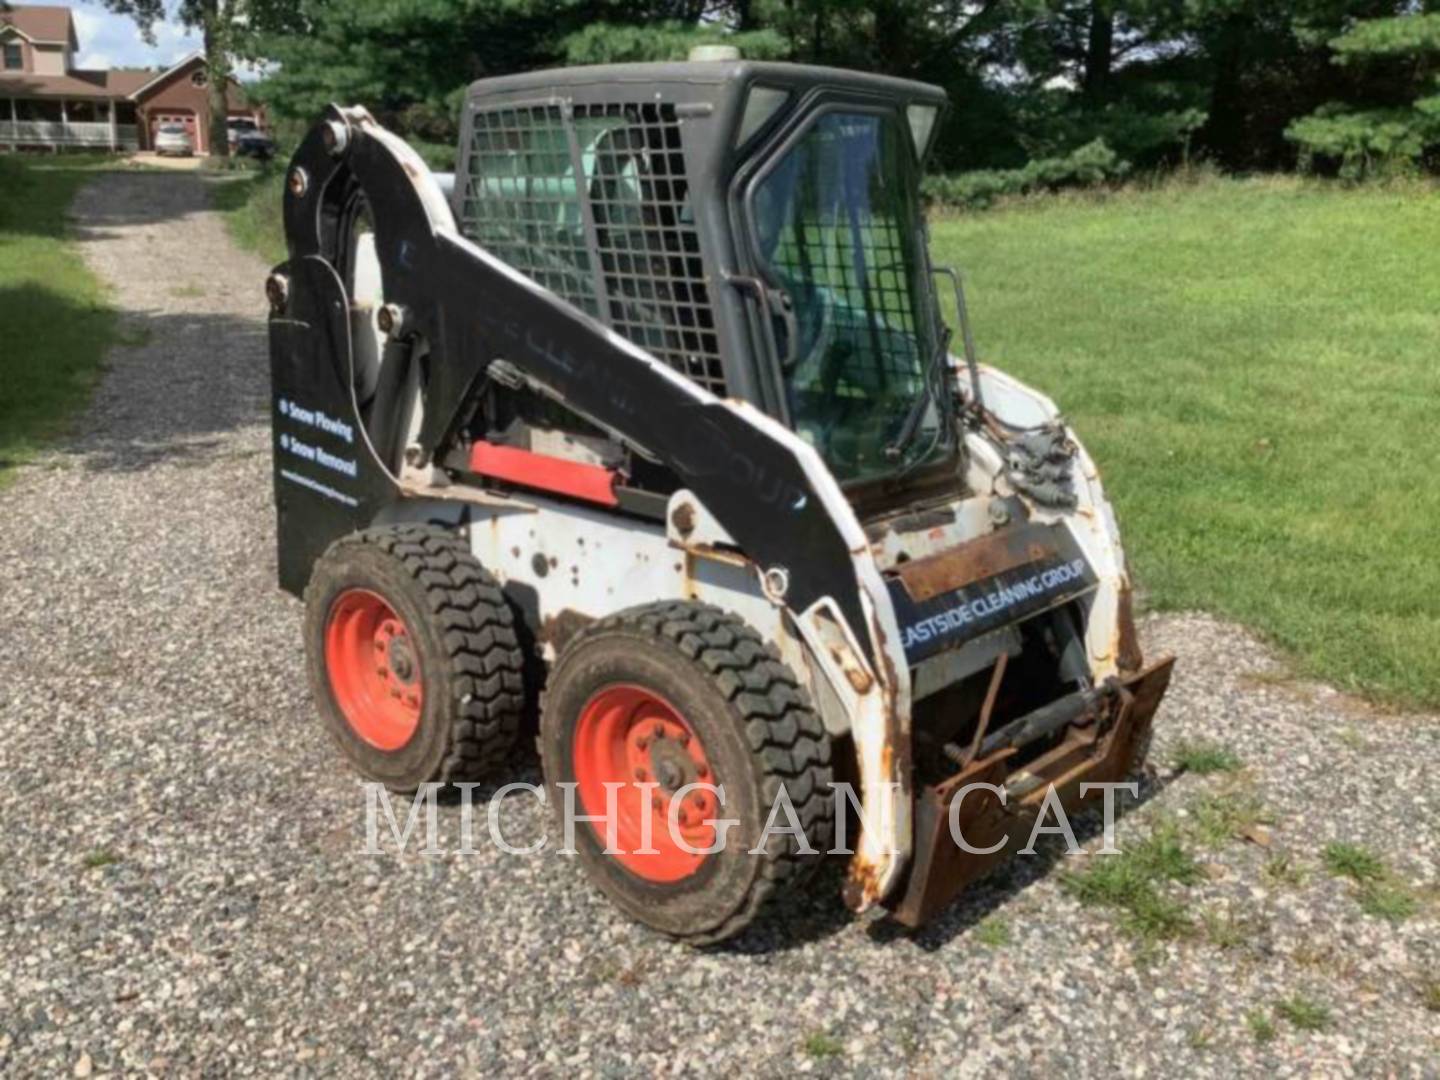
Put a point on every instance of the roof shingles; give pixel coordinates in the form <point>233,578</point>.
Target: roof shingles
<point>40,22</point>
<point>118,83</point>
<point>50,23</point>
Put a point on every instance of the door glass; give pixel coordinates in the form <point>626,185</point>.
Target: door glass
<point>838,221</point>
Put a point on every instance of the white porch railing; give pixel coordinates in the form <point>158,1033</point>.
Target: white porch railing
<point>61,133</point>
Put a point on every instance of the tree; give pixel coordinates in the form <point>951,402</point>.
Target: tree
<point>228,30</point>
<point>409,63</point>
<point>1036,85</point>
<point>951,43</point>
<point>609,43</point>
<point>1393,118</point>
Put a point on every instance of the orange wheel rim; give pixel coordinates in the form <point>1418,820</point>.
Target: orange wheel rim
<point>374,669</point>
<point>633,738</point>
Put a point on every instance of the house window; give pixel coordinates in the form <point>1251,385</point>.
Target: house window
<point>14,58</point>
<point>37,109</point>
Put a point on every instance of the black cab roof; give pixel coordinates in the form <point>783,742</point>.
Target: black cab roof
<point>699,74</point>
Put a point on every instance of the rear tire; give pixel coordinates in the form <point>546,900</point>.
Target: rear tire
<point>681,692</point>
<point>412,657</point>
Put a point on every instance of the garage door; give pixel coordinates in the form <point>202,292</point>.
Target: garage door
<point>176,117</point>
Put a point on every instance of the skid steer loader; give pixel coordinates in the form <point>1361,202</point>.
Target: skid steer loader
<point>646,420</point>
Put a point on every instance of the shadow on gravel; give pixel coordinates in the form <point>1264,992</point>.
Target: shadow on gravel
<point>136,198</point>
<point>176,384</point>
<point>814,913</point>
<point>1014,876</point>
<point>142,198</point>
<point>820,913</point>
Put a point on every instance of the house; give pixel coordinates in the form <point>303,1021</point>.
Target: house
<point>47,102</point>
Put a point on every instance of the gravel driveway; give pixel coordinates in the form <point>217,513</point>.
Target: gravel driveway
<point>183,888</point>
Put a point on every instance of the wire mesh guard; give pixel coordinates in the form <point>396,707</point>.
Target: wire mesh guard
<point>622,245</point>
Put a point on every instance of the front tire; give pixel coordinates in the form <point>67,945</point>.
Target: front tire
<point>677,693</point>
<point>412,657</point>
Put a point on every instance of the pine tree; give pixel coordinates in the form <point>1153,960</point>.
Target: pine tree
<point>1393,121</point>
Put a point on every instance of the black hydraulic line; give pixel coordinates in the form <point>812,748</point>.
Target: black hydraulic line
<point>1046,720</point>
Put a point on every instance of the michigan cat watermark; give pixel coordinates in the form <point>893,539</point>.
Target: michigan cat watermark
<point>640,819</point>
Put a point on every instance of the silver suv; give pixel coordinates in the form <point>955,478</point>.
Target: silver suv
<point>174,139</point>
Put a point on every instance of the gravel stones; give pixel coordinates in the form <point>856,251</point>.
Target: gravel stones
<point>183,888</point>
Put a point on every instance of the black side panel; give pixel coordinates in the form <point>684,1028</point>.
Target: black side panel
<point>326,482</point>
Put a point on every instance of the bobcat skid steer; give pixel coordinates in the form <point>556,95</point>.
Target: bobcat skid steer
<point>651,406</point>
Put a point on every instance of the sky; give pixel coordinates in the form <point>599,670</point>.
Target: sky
<point>108,40</point>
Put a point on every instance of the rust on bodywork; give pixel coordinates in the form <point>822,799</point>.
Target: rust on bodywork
<point>1127,644</point>
<point>898,742</point>
<point>985,557</point>
<point>866,881</point>
<point>558,629</point>
<point>1095,753</point>
<point>833,640</point>
<point>987,708</point>
<point>912,522</point>
<point>862,884</point>
<point>683,519</point>
<point>855,674</point>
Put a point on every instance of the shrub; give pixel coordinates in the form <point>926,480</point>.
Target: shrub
<point>1092,164</point>
<point>440,157</point>
<point>1367,143</point>
<point>1380,141</point>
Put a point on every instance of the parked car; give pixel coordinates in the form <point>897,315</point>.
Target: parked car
<point>174,139</point>
<point>237,126</point>
<point>254,144</point>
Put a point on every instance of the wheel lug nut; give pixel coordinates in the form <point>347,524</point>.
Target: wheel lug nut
<point>658,730</point>
<point>639,774</point>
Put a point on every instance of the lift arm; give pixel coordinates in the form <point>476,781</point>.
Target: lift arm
<point>768,489</point>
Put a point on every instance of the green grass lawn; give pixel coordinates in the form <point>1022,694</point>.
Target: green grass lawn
<point>1256,368</point>
<point>251,203</point>
<point>57,322</point>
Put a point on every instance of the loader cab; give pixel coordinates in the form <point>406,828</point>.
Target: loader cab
<point>755,226</point>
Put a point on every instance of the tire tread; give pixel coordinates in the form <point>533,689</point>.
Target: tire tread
<point>784,733</point>
<point>477,630</point>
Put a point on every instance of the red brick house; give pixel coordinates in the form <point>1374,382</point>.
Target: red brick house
<point>47,102</point>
